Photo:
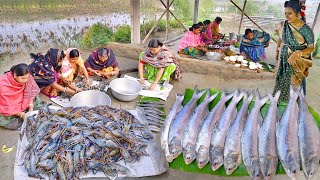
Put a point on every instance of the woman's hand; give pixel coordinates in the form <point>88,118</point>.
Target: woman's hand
<point>88,84</point>
<point>97,73</point>
<point>30,107</point>
<point>153,86</point>
<point>292,59</point>
<point>142,81</point>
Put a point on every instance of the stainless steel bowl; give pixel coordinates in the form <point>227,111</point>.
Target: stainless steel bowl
<point>90,98</point>
<point>125,89</point>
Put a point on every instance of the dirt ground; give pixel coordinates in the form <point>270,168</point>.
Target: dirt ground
<point>189,80</point>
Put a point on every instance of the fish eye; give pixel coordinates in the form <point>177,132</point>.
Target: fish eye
<point>269,175</point>
<point>229,169</point>
<point>294,171</point>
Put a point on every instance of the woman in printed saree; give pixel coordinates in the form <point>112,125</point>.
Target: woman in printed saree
<point>191,44</point>
<point>72,66</point>
<point>102,62</point>
<point>253,43</point>
<point>17,94</point>
<point>294,60</point>
<point>159,63</point>
<point>45,68</point>
<point>204,37</point>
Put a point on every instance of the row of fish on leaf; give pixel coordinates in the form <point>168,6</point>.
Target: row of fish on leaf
<point>73,141</point>
<point>226,136</point>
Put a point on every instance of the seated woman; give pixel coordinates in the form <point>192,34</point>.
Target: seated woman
<point>72,66</point>
<point>253,44</point>
<point>159,63</point>
<point>45,68</point>
<point>213,31</point>
<point>204,37</point>
<point>191,44</point>
<point>17,93</point>
<point>102,62</point>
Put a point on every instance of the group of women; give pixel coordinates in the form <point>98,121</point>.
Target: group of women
<point>56,71</point>
<point>199,35</point>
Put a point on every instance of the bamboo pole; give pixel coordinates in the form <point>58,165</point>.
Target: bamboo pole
<point>135,21</point>
<point>173,14</point>
<point>196,11</point>
<point>153,27</point>
<point>243,10</point>
<point>167,20</point>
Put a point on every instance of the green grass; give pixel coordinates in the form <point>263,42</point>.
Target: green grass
<point>316,52</point>
<point>123,34</point>
<point>97,35</point>
<point>179,164</point>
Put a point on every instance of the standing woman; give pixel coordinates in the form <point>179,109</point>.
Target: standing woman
<point>102,62</point>
<point>45,68</point>
<point>70,71</point>
<point>159,64</point>
<point>17,93</point>
<point>297,41</point>
<point>191,44</point>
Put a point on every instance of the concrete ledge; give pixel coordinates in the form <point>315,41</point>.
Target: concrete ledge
<point>214,68</point>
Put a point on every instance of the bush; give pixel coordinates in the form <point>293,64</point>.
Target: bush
<point>160,27</point>
<point>316,52</point>
<point>97,35</point>
<point>183,9</point>
<point>123,34</point>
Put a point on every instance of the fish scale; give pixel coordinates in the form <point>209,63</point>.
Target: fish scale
<point>178,125</point>
<point>220,131</point>
<point>287,137</point>
<point>249,139</point>
<point>192,128</point>
<point>166,125</point>
<point>204,135</point>
<point>268,157</point>
<point>232,152</point>
<point>309,140</point>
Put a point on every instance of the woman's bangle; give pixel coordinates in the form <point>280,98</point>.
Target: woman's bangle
<point>65,89</point>
<point>31,105</point>
<point>23,113</point>
<point>77,89</point>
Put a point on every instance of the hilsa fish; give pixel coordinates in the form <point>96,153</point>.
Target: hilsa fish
<point>268,157</point>
<point>178,124</point>
<point>232,151</point>
<point>192,128</point>
<point>220,132</point>
<point>166,125</point>
<point>249,138</point>
<point>309,140</point>
<point>287,137</point>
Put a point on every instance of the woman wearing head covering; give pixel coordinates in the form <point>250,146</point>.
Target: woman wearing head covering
<point>253,43</point>
<point>159,63</point>
<point>72,66</point>
<point>102,62</point>
<point>297,43</point>
<point>45,68</point>
<point>17,94</point>
<point>191,44</point>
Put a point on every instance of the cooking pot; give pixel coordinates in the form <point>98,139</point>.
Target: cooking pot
<point>90,98</point>
<point>125,89</point>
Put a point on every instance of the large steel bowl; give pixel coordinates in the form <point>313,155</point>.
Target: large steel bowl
<point>90,98</point>
<point>125,89</point>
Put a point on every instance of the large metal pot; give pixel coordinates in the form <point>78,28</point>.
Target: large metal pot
<point>125,89</point>
<point>90,98</point>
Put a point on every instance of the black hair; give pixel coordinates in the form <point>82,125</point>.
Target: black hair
<point>155,43</point>
<point>206,22</point>
<point>294,4</point>
<point>247,31</point>
<point>102,52</point>
<point>200,24</point>
<point>218,19</point>
<point>20,69</point>
<point>193,27</point>
<point>74,53</point>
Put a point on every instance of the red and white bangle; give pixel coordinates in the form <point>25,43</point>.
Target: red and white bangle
<point>23,113</point>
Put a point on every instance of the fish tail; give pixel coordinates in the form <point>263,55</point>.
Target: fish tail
<point>274,99</point>
<point>212,97</point>
<point>260,101</point>
<point>179,97</point>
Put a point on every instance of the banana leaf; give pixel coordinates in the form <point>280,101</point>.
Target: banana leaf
<point>179,163</point>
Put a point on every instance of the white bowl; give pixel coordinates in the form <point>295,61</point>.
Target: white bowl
<point>213,56</point>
